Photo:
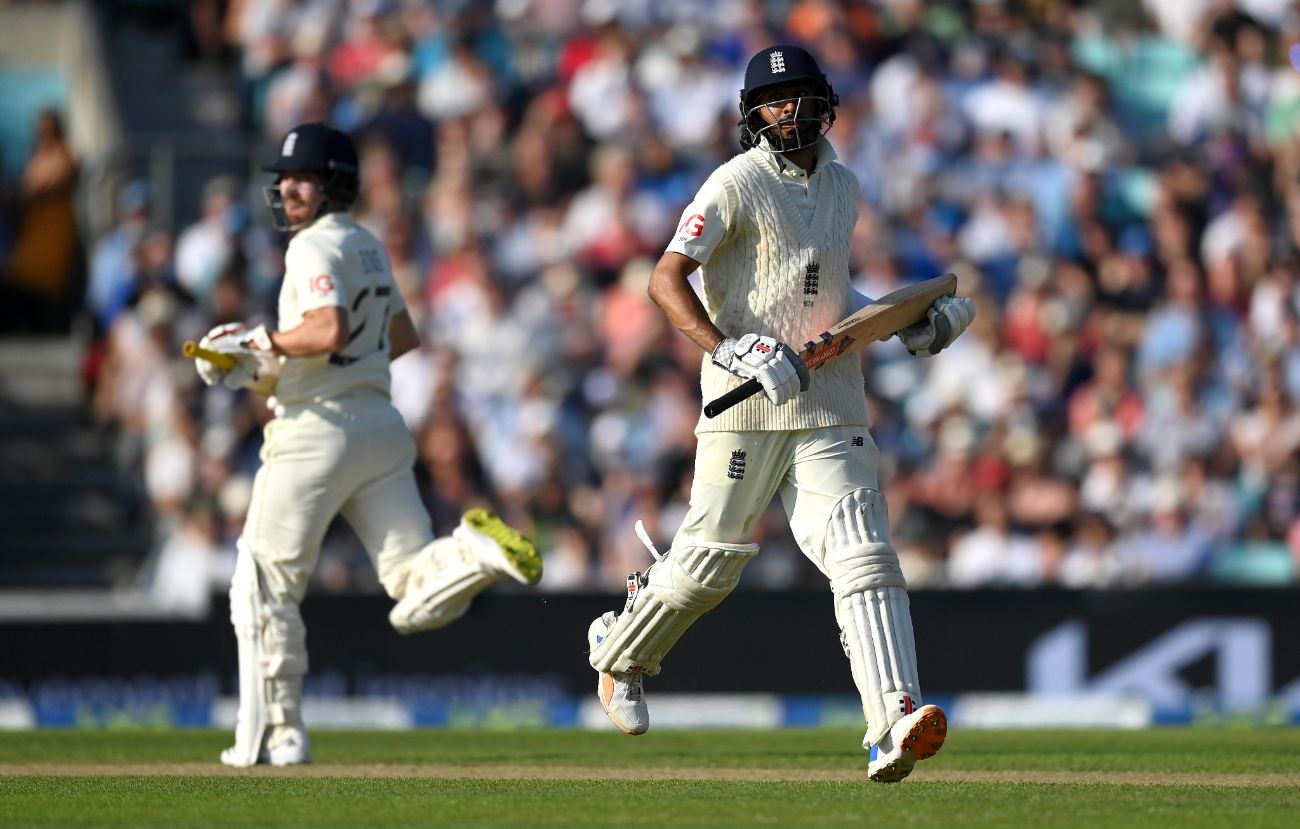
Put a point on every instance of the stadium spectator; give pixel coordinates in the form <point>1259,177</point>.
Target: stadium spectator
<point>39,278</point>
<point>1116,190</point>
<point>205,249</point>
<point>112,266</point>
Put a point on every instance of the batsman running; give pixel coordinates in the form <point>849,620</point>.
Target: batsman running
<point>336,446</point>
<point>769,233</point>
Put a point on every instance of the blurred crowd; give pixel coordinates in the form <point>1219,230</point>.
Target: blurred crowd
<point>41,258</point>
<point>1117,184</point>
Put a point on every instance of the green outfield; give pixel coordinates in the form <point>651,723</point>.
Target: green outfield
<point>1185,777</point>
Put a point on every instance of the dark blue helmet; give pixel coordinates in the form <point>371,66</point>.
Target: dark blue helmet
<point>785,64</point>
<point>316,148</point>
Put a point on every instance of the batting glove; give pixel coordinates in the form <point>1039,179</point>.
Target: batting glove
<point>258,338</point>
<point>944,321</point>
<point>776,367</point>
<point>228,339</point>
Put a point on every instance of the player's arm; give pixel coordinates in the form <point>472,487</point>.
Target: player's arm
<point>672,292</point>
<point>322,331</point>
<point>310,269</point>
<point>754,356</point>
<point>402,336</point>
<point>703,227</point>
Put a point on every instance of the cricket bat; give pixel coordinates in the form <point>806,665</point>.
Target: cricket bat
<point>878,321</point>
<point>195,351</point>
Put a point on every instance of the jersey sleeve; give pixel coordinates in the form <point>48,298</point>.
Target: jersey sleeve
<point>315,276</point>
<point>704,223</point>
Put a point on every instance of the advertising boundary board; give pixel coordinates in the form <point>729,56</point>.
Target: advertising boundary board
<point>1181,651</point>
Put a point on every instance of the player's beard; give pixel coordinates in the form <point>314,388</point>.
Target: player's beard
<point>810,120</point>
<point>297,211</point>
<point>805,133</point>
<point>808,130</point>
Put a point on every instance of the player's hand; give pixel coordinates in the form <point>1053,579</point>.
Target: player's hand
<point>257,339</point>
<point>228,339</point>
<point>944,321</point>
<point>223,339</point>
<point>775,366</point>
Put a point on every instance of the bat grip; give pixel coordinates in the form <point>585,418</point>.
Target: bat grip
<point>744,391</point>
<point>194,351</point>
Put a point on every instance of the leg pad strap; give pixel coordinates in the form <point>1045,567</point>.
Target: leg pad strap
<point>688,582</point>
<point>859,555</point>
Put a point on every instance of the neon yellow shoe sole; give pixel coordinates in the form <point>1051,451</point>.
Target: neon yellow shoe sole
<point>523,562</point>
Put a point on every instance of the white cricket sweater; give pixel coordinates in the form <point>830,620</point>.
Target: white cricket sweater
<point>774,274</point>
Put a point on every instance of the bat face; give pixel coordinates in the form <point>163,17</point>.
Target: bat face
<point>878,321</point>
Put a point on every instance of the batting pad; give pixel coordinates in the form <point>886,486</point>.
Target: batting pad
<point>877,630</point>
<point>272,647</point>
<point>444,578</point>
<point>858,553</point>
<point>687,583</point>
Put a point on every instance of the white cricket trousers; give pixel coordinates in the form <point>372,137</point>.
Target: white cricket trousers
<point>737,473</point>
<point>351,457</point>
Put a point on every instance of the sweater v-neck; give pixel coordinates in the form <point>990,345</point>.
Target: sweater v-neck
<point>807,229</point>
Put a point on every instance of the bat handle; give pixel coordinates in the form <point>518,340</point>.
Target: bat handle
<point>744,391</point>
<point>195,351</point>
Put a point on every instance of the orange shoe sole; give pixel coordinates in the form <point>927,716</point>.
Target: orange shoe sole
<point>927,735</point>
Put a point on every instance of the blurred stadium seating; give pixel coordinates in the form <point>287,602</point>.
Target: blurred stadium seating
<point>1116,184</point>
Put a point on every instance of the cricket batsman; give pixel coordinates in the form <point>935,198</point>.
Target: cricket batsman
<point>336,446</point>
<point>769,232</point>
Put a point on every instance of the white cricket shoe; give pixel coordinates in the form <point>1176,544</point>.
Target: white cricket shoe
<point>500,546</point>
<point>918,736</point>
<point>284,745</point>
<point>620,694</point>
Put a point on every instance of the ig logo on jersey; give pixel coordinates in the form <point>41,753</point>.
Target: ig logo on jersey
<point>692,227</point>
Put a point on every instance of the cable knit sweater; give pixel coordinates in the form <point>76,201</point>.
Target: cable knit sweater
<point>775,275</point>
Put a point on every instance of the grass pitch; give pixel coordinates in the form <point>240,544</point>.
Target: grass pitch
<point>795,778</point>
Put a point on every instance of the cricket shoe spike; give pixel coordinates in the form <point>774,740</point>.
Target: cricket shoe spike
<point>620,694</point>
<point>918,736</point>
<point>500,546</point>
<point>284,745</point>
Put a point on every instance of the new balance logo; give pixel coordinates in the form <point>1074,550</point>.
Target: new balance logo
<point>857,441</point>
<point>736,466</point>
<point>777,60</point>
